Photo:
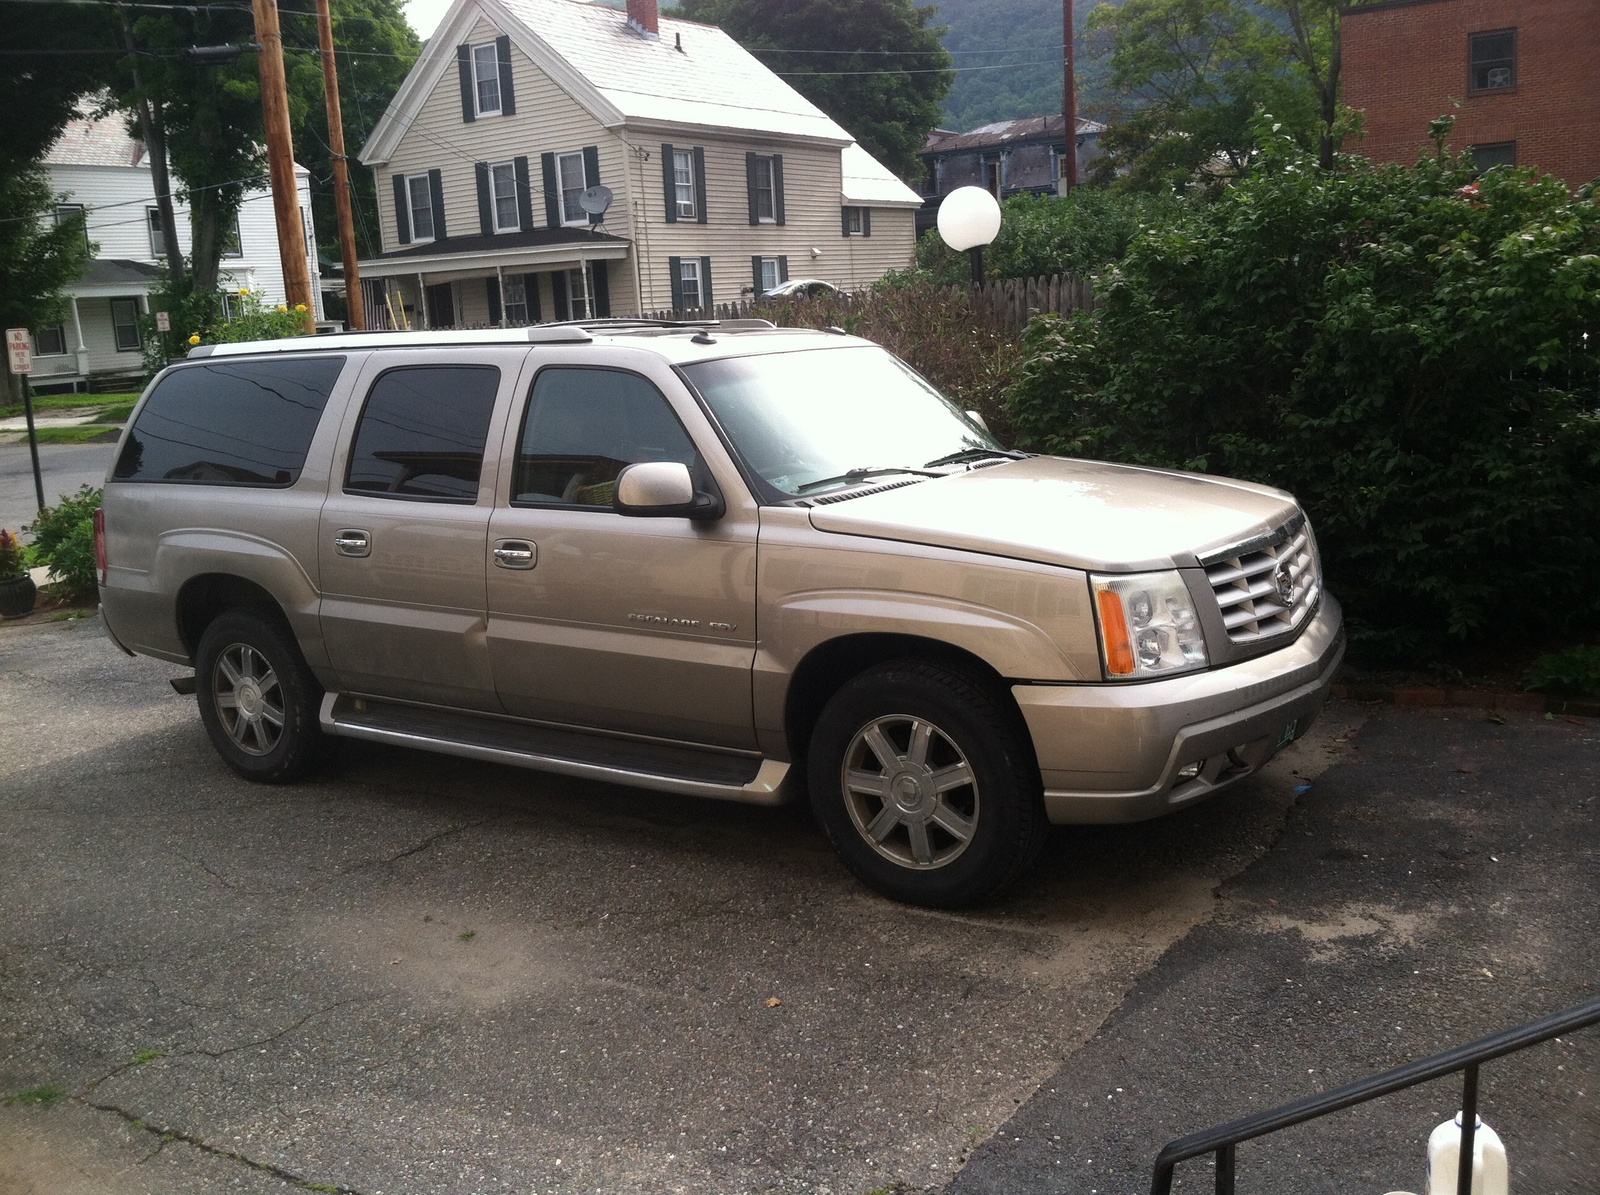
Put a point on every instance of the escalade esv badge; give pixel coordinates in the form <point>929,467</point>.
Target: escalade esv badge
<point>1284,580</point>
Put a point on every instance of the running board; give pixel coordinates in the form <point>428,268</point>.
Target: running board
<point>664,767</point>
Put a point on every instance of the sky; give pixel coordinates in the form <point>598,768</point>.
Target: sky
<point>424,15</point>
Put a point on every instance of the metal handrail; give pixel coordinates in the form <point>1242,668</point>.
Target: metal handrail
<point>1224,1138</point>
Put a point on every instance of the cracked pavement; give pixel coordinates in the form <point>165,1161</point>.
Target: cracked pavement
<point>422,974</point>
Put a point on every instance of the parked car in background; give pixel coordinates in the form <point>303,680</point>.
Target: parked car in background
<point>727,561</point>
<point>811,288</point>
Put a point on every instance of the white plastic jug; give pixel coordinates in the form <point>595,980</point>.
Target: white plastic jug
<point>1489,1173</point>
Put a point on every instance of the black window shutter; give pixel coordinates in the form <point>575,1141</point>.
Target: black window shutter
<point>485,200</point>
<point>469,107</point>
<point>402,211</point>
<point>675,269</point>
<point>508,95</point>
<point>755,274</point>
<point>530,287</point>
<point>705,283</point>
<point>777,186</point>
<point>844,221</point>
<point>601,271</point>
<point>591,174</point>
<point>700,184</point>
<point>552,198</point>
<point>436,195</point>
<point>669,183</point>
<point>492,285</point>
<point>558,287</point>
<point>524,196</point>
<point>866,221</point>
<point>750,161</point>
<point>783,269</point>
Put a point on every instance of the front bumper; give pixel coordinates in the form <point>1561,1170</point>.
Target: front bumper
<point>1112,752</point>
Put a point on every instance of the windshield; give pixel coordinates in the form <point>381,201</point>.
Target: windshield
<point>814,421</point>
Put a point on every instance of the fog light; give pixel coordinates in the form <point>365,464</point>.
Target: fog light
<point>1190,770</point>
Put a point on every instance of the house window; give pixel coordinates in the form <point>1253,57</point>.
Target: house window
<point>503,194</point>
<point>514,293</point>
<point>683,181</point>
<point>991,177</point>
<point>486,79</point>
<point>125,325</point>
<point>769,274</point>
<point>421,203</point>
<point>1494,60</point>
<point>579,293</point>
<point>158,236</point>
<point>571,181</point>
<point>689,284</point>
<point>852,222</point>
<point>66,212</point>
<point>766,190</point>
<point>1501,153</point>
<point>50,342</point>
<point>230,306</point>
<point>232,245</point>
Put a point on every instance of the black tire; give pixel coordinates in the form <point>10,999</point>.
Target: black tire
<point>972,785</point>
<point>257,697</point>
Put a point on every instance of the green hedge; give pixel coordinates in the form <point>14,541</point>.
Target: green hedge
<point>1404,348</point>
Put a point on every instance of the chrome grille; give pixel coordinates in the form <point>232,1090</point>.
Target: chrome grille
<point>1246,582</point>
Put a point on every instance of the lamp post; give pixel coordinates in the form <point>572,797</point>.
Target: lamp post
<point>969,218</point>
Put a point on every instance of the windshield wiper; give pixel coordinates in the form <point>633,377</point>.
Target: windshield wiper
<point>862,475</point>
<point>973,454</point>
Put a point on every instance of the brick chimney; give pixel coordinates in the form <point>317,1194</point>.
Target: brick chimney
<point>645,17</point>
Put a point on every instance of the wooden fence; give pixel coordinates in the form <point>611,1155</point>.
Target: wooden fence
<point>1007,302</point>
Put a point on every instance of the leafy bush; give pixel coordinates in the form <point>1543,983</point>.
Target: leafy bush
<point>63,541</point>
<point>1574,670</point>
<point>1401,347</point>
<point>1077,233</point>
<point>201,319</point>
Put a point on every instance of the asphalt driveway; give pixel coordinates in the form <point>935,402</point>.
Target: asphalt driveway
<point>419,974</point>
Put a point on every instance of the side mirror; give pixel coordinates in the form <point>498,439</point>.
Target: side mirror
<point>978,419</point>
<point>663,489</point>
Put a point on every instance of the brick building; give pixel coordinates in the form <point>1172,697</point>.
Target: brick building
<point>1525,72</point>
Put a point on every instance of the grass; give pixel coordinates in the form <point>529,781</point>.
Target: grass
<point>42,1096</point>
<point>144,1056</point>
<point>61,402</point>
<point>466,935</point>
<point>73,435</point>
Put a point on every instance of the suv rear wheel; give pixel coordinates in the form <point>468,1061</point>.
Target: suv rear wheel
<point>257,697</point>
<point>925,787</point>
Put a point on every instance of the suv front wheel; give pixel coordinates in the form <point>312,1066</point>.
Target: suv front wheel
<point>925,787</point>
<point>257,697</point>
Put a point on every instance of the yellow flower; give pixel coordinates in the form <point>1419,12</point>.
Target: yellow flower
<point>244,290</point>
<point>194,339</point>
<point>300,307</point>
<point>281,307</point>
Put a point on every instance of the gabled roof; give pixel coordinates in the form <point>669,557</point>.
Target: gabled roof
<point>694,76</point>
<point>869,183</point>
<point>1008,132</point>
<point>91,141</point>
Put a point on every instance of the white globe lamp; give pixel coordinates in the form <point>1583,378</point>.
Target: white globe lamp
<point>969,218</point>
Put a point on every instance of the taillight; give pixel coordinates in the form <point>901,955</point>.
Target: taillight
<point>100,544</point>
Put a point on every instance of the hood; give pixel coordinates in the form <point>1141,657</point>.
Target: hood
<point>1081,514</point>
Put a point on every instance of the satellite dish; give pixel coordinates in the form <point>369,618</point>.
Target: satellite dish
<point>595,200</point>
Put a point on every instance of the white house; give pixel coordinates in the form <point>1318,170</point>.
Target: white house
<point>723,179</point>
<point>103,172</point>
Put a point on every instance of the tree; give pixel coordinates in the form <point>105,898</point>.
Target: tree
<point>1194,73</point>
<point>875,66</point>
<point>38,257</point>
<point>56,56</point>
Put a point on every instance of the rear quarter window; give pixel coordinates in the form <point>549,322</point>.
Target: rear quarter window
<point>247,423</point>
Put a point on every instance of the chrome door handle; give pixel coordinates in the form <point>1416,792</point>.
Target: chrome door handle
<point>516,553</point>
<point>352,541</point>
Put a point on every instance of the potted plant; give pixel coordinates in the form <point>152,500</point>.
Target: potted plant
<point>17,590</point>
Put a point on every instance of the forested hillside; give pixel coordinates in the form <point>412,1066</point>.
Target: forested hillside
<point>1010,52</point>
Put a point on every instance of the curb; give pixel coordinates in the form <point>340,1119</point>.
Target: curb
<point>1483,699</point>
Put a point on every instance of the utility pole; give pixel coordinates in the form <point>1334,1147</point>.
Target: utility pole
<point>280,160</point>
<point>1069,97</point>
<point>355,312</point>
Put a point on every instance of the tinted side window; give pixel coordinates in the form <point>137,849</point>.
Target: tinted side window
<point>584,426</point>
<point>244,423</point>
<point>422,433</point>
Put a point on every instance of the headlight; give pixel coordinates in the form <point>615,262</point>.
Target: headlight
<point>1147,625</point>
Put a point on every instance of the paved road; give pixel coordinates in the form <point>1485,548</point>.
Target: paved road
<point>419,975</point>
<point>65,467</point>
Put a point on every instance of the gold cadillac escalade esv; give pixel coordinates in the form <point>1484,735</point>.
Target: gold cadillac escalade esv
<point>725,560</point>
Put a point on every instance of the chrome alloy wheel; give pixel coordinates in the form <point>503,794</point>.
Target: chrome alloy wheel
<point>248,699</point>
<point>910,791</point>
